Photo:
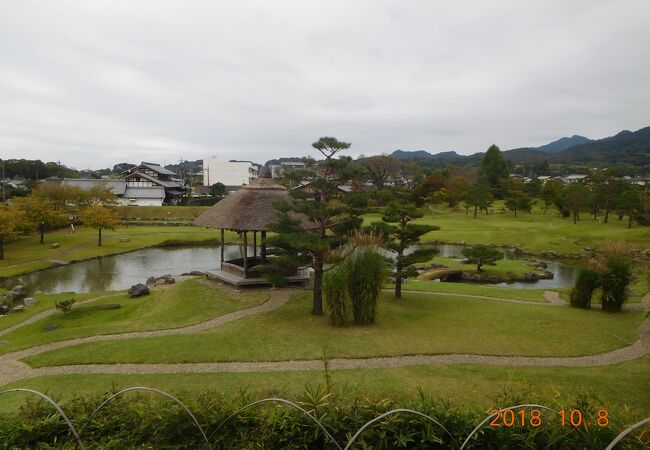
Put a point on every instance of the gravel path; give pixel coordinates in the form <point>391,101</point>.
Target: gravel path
<point>11,369</point>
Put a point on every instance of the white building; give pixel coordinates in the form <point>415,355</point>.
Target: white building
<point>228,173</point>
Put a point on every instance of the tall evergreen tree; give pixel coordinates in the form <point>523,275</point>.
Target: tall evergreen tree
<point>494,168</point>
<point>319,218</point>
<point>400,234</point>
<point>479,196</point>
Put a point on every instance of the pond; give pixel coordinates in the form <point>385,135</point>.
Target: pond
<point>122,271</point>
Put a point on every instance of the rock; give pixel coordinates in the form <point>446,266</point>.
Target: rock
<point>17,309</point>
<point>29,301</point>
<point>138,290</point>
<point>151,280</point>
<point>193,273</point>
<point>477,277</point>
<point>539,265</point>
<point>4,309</point>
<point>17,293</point>
<point>51,327</point>
<point>466,276</point>
<point>124,239</point>
<point>55,245</point>
<point>494,279</point>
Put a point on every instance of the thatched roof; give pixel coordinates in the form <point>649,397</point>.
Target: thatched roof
<point>248,209</point>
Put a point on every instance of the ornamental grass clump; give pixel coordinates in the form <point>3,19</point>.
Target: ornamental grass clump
<point>587,282</point>
<point>615,281</point>
<point>365,272</point>
<point>335,296</point>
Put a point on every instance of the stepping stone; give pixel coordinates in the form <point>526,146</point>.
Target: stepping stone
<point>51,327</point>
<point>55,245</point>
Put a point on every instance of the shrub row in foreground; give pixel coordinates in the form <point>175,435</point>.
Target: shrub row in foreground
<point>139,420</point>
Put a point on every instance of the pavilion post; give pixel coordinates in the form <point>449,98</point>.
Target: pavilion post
<point>221,243</point>
<point>245,251</point>
<point>263,246</point>
<point>255,246</point>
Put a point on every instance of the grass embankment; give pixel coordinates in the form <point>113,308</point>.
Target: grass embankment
<point>483,290</point>
<point>45,302</point>
<point>534,232</point>
<point>28,255</point>
<point>461,385</point>
<point>186,303</point>
<point>417,324</point>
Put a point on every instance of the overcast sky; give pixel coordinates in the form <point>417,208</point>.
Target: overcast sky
<point>94,83</point>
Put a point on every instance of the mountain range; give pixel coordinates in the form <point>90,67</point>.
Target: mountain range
<point>626,147</point>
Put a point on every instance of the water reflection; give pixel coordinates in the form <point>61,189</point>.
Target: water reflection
<point>122,271</point>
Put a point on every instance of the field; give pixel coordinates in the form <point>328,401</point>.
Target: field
<point>533,233</point>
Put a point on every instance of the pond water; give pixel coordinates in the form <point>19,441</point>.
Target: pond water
<point>122,271</point>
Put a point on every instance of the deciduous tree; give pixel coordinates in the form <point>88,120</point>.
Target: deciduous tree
<point>99,217</point>
<point>11,220</point>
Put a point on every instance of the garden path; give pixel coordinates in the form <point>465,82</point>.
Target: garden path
<point>11,369</point>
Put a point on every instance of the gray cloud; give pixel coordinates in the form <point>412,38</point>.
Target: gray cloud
<point>96,83</point>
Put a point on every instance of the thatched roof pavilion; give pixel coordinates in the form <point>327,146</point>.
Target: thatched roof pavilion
<point>248,209</point>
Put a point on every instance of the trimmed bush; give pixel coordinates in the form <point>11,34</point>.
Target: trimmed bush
<point>615,282</point>
<point>586,283</point>
<point>335,296</point>
<point>365,271</point>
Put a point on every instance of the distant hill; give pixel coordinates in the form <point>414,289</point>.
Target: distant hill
<point>563,144</point>
<point>627,147</point>
<point>416,154</point>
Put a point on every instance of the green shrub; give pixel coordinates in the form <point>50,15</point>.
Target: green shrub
<point>365,271</point>
<point>615,282</point>
<point>586,282</point>
<point>146,421</point>
<point>335,296</point>
<point>65,306</point>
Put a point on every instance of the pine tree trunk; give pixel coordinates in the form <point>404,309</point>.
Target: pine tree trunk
<point>475,210</point>
<point>317,307</point>
<point>398,287</point>
<point>629,222</point>
<point>2,249</point>
<point>545,208</point>
<point>575,217</point>
<point>99,241</point>
<point>41,228</point>
<point>606,216</point>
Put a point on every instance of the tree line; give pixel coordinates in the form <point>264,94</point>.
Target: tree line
<point>51,206</point>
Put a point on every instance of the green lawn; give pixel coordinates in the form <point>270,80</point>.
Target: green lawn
<point>187,303</point>
<point>45,302</point>
<point>163,212</point>
<point>535,232</point>
<point>485,290</point>
<point>27,255</point>
<point>461,385</point>
<point>417,324</point>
